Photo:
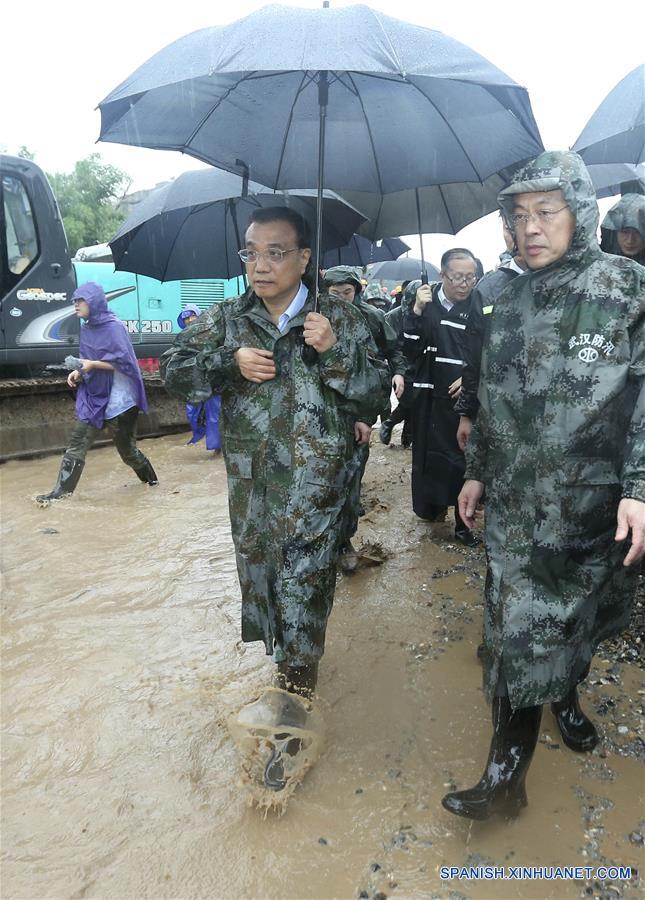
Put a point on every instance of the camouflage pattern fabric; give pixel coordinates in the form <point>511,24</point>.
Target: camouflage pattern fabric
<point>558,441</point>
<point>386,339</point>
<point>289,445</point>
<point>629,212</point>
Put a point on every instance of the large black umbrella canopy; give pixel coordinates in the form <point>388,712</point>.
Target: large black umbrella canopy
<point>616,131</point>
<point>405,106</point>
<point>361,252</point>
<point>194,226</point>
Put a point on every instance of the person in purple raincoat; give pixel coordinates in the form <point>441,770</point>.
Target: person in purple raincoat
<point>109,392</point>
<point>203,418</point>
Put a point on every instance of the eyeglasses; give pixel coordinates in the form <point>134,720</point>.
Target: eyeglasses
<point>461,279</point>
<point>273,254</point>
<point>541,216</point>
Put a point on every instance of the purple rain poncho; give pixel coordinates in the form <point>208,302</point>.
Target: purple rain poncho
<point>104,337</point>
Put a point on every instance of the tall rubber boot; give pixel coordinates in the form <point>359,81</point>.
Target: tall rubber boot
<point>577,730</point>
<point>501,788</point>
<point>147,474</point>
<point>68,476</point>
<point>299,680</point>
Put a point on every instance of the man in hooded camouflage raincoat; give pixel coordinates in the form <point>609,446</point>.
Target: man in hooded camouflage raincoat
<point>345,282</point>
<point>287,430</point>
<point>559,445</point>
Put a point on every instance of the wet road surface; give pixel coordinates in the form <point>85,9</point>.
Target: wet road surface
<point>121,664</point>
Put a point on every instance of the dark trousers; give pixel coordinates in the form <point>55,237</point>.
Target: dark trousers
<point>123,430</point>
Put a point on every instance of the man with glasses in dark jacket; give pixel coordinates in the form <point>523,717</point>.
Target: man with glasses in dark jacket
<point>433,333</point>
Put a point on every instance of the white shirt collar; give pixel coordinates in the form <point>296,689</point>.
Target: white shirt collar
<point>447,304</point>
<point>294,307</point>
<point>513,266</point>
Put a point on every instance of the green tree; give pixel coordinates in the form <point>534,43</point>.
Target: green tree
<point>87,198</point>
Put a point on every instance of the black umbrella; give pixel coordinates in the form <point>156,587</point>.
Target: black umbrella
<point>405,269</point>
<point>262,94</point>
<point>617,178</point>
<point>193,226</point>
<point>362,252</point>
<point>616,131</point>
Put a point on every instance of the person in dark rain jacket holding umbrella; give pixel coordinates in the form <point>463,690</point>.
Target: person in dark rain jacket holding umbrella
<point>433,333</point>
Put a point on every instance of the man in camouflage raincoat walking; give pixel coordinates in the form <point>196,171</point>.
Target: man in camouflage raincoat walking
<point>559,445</point>
<point>287,431</point>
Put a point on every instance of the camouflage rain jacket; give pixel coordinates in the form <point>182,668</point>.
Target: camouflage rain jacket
<point>629,212</point>
<point>559,439</point>
<point>289,449</point>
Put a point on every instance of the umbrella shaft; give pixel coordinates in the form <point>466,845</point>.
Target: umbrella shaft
<point>323,93</point>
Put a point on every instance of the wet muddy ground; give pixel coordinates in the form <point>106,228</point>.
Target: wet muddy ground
<point>121,665</point>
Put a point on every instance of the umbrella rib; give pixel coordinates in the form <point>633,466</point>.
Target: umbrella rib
<point>174,243</point>
<point>245,77</point>
<point>369,132</point>
<point>443,200</point>
<point>448,125</point>
<point>305,79</point>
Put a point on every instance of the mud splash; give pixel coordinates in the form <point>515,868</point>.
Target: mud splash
<point>276,726</point>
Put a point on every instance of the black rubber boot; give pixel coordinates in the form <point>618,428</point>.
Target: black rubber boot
<point>68,476</point>
<point>463,533</point>
<point>578,732</point>
<point>501,787</point>
<point>385,431</point>
<point>147,473</point>
<point>347,558</point>
<point>299,680</point>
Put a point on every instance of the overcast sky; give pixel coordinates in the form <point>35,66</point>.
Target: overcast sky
<point>66,57</point>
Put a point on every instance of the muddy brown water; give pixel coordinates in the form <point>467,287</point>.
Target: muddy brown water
<point>121,664</point>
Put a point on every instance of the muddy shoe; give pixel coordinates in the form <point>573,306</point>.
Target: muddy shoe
<point>348,558</point>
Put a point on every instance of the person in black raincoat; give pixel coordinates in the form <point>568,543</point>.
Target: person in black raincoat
<point>403,412</point>
<point>482,303</point>
<point>433,333</point>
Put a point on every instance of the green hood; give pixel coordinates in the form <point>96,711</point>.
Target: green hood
<point>344,275</point>
<point>563,170</point>
<point>629,212</point>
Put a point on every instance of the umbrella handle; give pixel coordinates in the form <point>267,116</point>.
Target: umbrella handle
<point>309,355</point>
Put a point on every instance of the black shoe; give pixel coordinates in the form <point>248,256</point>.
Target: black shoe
<point>578,732</point>
<point>467,538</point>
<point>501,788</point>
<point>385,431</point>
<point>147,474</point>
<point>68,476</point>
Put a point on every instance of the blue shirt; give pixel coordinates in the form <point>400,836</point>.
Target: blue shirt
<point>294,307</point>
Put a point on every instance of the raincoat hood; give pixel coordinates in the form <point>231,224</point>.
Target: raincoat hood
<point>94,296</point>
<point>104,337</point>
<point>629,212</point>
<point>344,275</point>
<point>565,171</point>
<point>186,313</point>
